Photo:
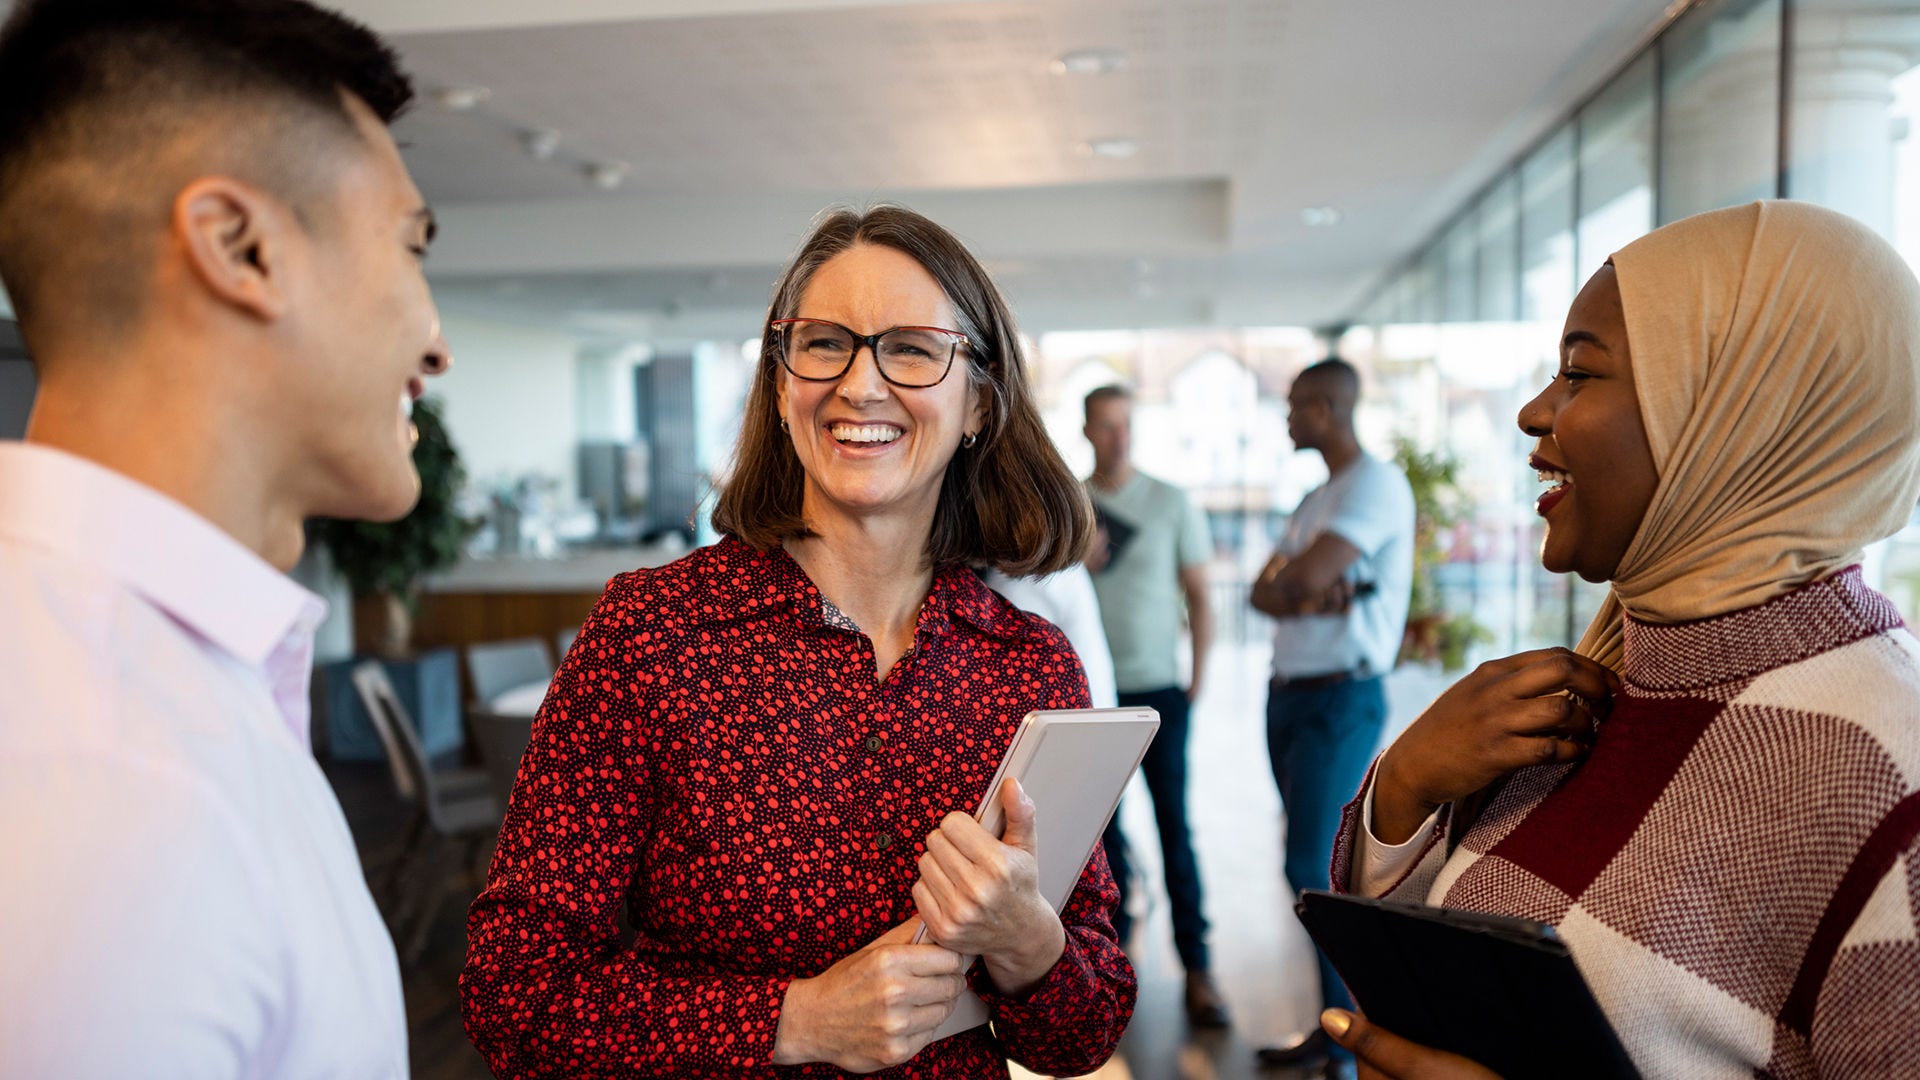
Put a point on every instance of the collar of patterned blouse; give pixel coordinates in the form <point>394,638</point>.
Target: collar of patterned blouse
<point>744,582</point>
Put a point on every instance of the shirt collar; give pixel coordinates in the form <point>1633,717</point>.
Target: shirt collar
<point>739,592</point>
<point>181,562</point>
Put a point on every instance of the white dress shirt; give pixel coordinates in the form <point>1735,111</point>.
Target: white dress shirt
<point>1370,506</point>
<point>179,894</point>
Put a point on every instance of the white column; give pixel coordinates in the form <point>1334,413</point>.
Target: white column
<point>1840,126</point>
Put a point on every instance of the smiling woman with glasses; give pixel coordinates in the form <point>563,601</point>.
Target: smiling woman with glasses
<point>764,755</point>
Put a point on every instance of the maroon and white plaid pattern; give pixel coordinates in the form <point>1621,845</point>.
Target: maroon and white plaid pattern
<point>1736,866</point>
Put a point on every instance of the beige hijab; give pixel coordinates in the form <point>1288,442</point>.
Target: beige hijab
<point>1776,352</point>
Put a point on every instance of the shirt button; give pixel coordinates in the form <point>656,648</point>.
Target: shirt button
<point>883,841</point>
<point>873,742</point>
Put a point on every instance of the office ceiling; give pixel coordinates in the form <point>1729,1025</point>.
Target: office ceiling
<point>737,120</point>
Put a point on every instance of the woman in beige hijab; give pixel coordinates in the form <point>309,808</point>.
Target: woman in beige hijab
<point>1726,832</point>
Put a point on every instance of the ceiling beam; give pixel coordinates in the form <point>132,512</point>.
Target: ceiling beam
<point>442,16</point>
<point>1186,217</point>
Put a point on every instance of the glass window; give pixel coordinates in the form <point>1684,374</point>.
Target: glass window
<point>1720,102</point>
<point>1547,270</point>
<point>1457,251</point>
<point>1850,123</point>
<point>1425,298</point>
<point>1616,207</point>
<point>1499,226</point>
<point>1616,166</point>
<point>1853,146</point>
<point>1547,283</point>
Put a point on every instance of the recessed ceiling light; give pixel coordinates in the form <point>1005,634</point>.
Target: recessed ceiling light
<point>460,98</point>
<point>1320,216</point>
<point>1088,62</point>
<point>540,143</point>
<point>1113,148</point>
<point>607,175</point>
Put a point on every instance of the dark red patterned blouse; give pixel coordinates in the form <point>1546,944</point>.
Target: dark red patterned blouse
<point>716,755</point>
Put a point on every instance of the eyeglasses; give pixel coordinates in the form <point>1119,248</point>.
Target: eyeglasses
<point>911,356</point>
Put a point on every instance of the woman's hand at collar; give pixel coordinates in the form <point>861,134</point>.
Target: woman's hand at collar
<point>981,896</point>
<point>1533,708</point>
<point>1382,1055</point>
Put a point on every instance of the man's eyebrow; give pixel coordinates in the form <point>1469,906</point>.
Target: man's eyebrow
<point>424,215</point>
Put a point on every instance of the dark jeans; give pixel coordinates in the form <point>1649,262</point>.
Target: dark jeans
<point>1320,740</point>
<point>1165,768</point>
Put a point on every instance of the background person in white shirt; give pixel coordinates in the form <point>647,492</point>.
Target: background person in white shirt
<point>1338,587</point>
<point>213,249</point>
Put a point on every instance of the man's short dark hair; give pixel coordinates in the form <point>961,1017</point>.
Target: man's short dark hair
<point>1336,371</point>
<point>1104,393</point>
<point>96,96</point>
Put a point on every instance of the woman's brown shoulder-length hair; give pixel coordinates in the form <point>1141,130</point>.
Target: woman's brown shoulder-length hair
<point>1008,501</point>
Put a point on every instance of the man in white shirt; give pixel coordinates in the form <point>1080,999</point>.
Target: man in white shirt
<point>1337,587</point>
<point>213,249</point>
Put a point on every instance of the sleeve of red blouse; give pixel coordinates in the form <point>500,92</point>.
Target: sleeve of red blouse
<point>550,988</point>
<point>1071,1022</point>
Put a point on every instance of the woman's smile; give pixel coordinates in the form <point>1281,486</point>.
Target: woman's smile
<point>865,436</point>
<point>1549,473</point>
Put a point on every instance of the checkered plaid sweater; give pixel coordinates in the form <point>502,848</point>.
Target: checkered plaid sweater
<point>1735,867</point>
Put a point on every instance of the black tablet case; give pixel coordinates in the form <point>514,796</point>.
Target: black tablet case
<point>1501,991</point>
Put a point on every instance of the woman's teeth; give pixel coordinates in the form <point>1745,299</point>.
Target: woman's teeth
<point>865,433</point>
<point>1554,477</point>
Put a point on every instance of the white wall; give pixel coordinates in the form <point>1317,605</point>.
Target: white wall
<point>510,400</point>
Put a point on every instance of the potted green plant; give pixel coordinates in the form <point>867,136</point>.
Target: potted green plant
<point>384,562</point>
<point>1434,634</point>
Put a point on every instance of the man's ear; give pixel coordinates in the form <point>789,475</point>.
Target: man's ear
<point>233,237</point>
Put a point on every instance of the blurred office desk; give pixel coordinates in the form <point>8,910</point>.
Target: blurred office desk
<point>494,599</point>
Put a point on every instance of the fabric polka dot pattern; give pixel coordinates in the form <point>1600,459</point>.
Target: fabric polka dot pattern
<point>716,761</point>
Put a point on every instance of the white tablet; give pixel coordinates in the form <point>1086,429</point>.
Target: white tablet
<point>1073,764</point>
